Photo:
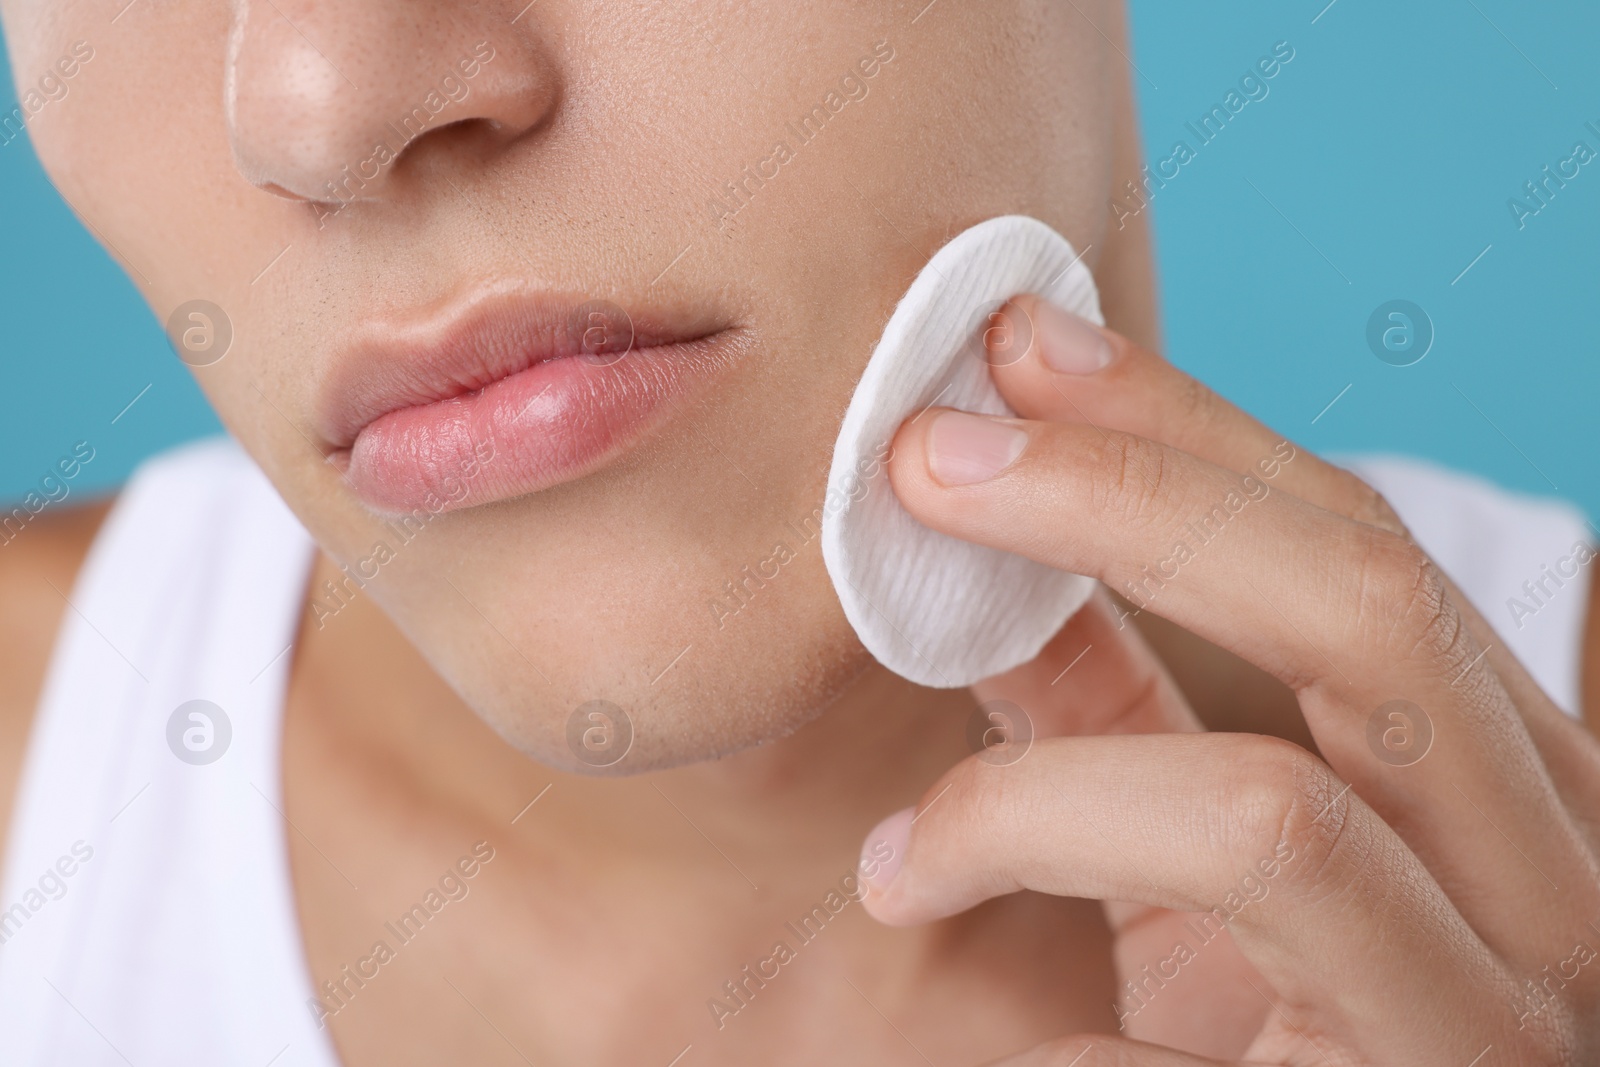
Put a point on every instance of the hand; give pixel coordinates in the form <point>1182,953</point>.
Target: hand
<point>1426,892</point>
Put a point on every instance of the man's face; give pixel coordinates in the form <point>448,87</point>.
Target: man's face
<point>544,316</point>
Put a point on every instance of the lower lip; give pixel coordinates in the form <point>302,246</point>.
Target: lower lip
<point>552,423</point>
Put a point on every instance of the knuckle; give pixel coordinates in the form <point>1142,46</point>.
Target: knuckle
<point>1130,477</point>
<point>1292,809</point>
<point>1405,607</point>
<point>986,799</point>
<point>987,808</point>
<point>978,801</point>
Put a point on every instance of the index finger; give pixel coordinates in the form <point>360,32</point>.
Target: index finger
<point>1254,834</point>
<point>1075,371</point>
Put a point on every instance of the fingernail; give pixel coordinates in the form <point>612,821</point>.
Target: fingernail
<point>885,847</point>
<point>963,448</point>
<point>1069,344</point>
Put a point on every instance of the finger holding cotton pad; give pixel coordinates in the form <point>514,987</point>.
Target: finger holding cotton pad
<point>934,609</point>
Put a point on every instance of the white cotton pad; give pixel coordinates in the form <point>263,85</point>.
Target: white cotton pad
<point>936,610</point>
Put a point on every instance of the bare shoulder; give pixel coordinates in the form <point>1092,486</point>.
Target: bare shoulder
<point>37,567</point>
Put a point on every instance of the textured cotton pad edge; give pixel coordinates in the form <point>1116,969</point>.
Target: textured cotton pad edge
<point>934,609</point>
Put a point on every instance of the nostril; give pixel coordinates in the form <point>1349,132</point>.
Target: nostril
<point>431,86</point>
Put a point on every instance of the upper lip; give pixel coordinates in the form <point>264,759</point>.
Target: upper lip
<point>462,344</point>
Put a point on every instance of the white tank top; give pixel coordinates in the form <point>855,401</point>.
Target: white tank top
<point>174,939</point>
<point>149,914</point>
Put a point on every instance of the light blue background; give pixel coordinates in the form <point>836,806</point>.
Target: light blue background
<point>1381,163</point>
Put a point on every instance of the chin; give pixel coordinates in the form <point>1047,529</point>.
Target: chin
<point>760,687</point>
<point>602,659</point>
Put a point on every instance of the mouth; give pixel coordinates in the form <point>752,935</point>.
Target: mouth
<point>508,393</point>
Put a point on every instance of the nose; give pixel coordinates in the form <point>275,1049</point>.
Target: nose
<point>326,98</point>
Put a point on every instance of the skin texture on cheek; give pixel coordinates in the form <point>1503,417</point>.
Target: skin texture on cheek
<point>678,582</point>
